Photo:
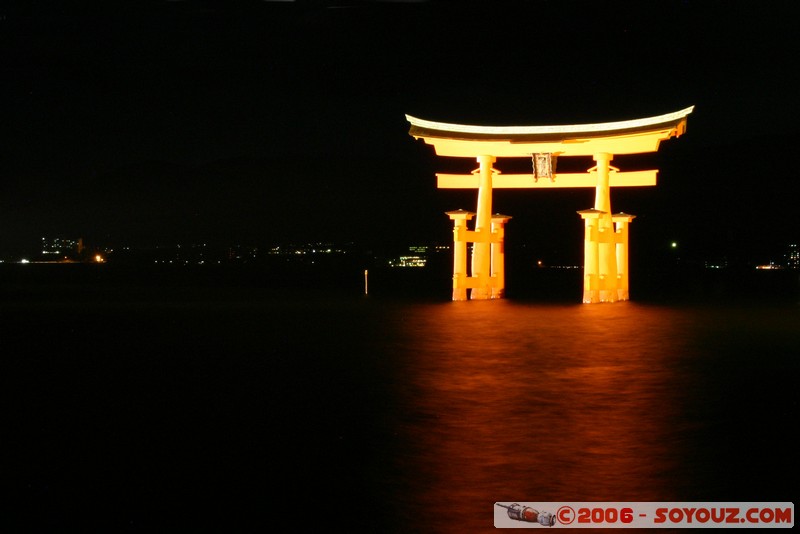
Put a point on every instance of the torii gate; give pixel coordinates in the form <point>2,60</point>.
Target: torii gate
<point>606,235</point>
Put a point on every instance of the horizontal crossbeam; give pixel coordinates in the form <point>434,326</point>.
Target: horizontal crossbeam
<point>562,180</point>
<point>622,137</point>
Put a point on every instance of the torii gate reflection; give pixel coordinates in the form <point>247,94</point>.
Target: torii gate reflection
<point>606,234</point>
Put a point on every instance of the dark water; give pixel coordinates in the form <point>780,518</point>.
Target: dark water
<point>172,404</point>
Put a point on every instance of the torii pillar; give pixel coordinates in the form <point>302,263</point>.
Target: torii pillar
<point>460,239</point>
<point>591,255</point>
<point>605,252</point>
<point>621,222</point>
<point>496,280</point>
<point>481,248</point>
<point>605,236</point>
<point>499,255</point>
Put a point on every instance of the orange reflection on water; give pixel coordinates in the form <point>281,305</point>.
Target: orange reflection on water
<point>509,402</point>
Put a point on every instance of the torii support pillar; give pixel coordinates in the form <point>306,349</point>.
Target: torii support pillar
<point>499,255</point>
<point>460,240</point>
<point>591,255</point>
<point>621,222</point>
<point>606,242</point>
<point>481,249</point>
<point>496,281</point>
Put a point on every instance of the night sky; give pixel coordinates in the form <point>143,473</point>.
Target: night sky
<point>269,122</point>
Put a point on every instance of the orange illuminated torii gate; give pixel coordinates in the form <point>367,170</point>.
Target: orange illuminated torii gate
<point>606,235</point>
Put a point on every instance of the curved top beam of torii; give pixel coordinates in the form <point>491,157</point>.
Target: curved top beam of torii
<point>621,137</point>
